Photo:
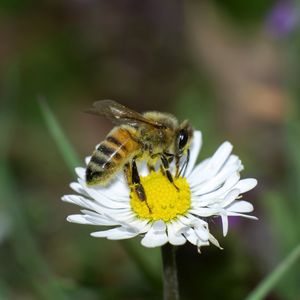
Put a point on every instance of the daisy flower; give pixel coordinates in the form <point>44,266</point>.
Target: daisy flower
<point>209,189</point>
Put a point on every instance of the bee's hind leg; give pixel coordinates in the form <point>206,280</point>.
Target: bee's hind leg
<point>127,173</point>
<point>136,181</point>
<point>166,169</point>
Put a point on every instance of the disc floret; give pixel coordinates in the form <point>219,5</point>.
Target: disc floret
<point>164,201</point>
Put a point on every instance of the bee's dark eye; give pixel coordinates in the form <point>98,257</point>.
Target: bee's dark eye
<point>182,138</point>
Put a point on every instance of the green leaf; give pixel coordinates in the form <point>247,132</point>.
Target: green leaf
<point>65,148</point>
<point>24,248</point>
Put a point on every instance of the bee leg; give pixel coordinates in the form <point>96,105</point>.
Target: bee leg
<point>152,161</point>
<point>170,156</point>
<point>136,181</point>
<point>150,166</point>
<point>177,161</point>
<point>166,167</point>
<point>127,173</point>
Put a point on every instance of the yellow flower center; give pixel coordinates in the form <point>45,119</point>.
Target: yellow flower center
<point>164,201</point>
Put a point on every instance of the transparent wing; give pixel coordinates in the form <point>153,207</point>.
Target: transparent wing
<point>120,114</point>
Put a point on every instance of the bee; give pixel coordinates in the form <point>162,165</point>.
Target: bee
<point>152,136</point>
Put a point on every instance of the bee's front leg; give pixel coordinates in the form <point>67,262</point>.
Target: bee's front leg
<point>177,164</point>
<point>166,168</point>
<point>169,156</point>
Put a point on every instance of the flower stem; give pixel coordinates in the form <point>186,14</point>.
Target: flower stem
<point>171,291</point>
<point>262,290</point>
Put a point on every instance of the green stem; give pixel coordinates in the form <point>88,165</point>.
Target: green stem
<point>271,280</point>
<point>171,291</point>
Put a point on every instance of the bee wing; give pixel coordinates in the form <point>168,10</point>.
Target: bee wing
<point>120,114</point>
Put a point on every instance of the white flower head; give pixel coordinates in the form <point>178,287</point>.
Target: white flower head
<point>209,189</point>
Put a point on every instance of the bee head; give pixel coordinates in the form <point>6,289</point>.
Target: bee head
<point>183,138</point>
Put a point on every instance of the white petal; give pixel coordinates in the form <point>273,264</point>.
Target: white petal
<point>215,199</point>
<point>116,188</point>
<point>230,182</point>
<point>78,200</point>
<point>80,172</point>
<point>97,207</point>
<point>116,191</point>
<point>194,151</point>
<point>215,182</point>
<point>214,241</point>
<point>201,244</point>
<point>246,185</point>
<point>186,220</point>
<point>103,201</point>
<point>230,197</point>
<point>241,207</point>
<point>219,158</point>
<point>191,236</point>
<point>97,219</point>
<point>87,159</point>
<point>80,219</point>
<point>224,223</point>
<point>175,235</point>
<point>201,232</point>
<point>198,171</point>
<point>109,199</point>
<point>205,211</point>
<point>141,226</point>
<point>118,233</point>
<point>75,186</point>
<point>156,236</point>
<point>209,174</point>
<point>159,226</point>
<point>230,213</point>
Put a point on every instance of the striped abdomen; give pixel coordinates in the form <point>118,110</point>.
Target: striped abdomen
<point>110,156</point>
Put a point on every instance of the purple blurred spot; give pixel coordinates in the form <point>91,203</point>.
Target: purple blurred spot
<point>283,18</point>
<point>233,222</point>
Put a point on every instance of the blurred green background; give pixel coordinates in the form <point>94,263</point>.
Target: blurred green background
<point>230,67</point>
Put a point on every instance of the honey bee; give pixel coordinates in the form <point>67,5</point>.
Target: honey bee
<point>152,136</point>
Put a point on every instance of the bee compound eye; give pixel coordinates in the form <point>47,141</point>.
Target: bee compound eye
<point>182,138</point>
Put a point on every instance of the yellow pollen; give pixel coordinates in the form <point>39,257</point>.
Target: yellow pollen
<point>164,201</point>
